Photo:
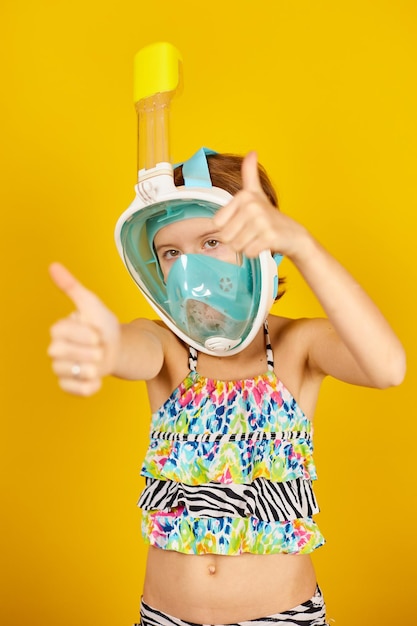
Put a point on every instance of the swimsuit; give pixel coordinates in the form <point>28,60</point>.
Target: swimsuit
<point>310,613</point>
<point>229,468</point>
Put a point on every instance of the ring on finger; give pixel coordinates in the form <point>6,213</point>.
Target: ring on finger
<point>76,370</point>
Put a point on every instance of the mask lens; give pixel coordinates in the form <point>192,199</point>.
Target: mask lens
<point>203,320</point>
<point>211,304</point>
<point>209,297</point>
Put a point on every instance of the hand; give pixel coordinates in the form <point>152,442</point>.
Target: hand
<point>251,224</point>
<point>84,345</point>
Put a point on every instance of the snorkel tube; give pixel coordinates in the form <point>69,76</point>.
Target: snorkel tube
<point>183,306</point>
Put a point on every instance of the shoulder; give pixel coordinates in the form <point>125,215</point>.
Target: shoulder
<point>155,328</point>
<point>173,348</point>
<point>304,328</point>
<point>297,339</point>
<point>152,327</point>
<point>292,343</point>
<point>175,361</point>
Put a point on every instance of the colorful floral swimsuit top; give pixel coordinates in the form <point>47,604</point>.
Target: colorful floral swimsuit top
<point>229,469</point>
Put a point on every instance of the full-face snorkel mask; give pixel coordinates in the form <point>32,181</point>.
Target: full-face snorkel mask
<point>216,306</point>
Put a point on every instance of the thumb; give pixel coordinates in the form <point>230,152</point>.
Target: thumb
<point>90,307</point>
<point>250,174</point>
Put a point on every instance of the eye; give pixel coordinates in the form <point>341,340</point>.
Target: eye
<point>171,254</point>
<point>211,243</point>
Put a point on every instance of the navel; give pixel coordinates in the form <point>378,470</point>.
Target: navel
<point>212,569</point>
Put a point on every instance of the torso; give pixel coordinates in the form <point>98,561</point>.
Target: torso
<point>214,589</point>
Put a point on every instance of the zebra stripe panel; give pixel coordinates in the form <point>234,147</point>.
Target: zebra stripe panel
<point>263,499</point>
<point>256,435</point>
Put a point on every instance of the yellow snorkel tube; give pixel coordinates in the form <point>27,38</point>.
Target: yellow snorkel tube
<point>157,77</point>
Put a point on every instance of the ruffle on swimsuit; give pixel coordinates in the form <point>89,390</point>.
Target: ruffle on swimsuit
<point>265,500</point>
<point>226,535</point>
<point>229,469</point>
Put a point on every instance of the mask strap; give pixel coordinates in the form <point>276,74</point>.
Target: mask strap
<point>195,170</point>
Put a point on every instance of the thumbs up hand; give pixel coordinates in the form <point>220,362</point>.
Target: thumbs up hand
<point>251,224</point>
<point>85,344</point>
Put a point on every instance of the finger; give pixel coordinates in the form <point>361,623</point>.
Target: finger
<point>250,174</point>
<point>225,213</point>
<point>84,299</point>
<point>73,331</point>
<point>244,214</point>
<point>90,307</point>
<point>63,351</point>
<point>80,387</point>
<point>250,185</point>
<point>83,371</point>
<point>244,237</point>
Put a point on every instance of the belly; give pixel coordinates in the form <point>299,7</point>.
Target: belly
<point>213,589</point>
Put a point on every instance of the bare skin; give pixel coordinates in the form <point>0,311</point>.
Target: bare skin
<point>212,589</point>
<point>354,344</point>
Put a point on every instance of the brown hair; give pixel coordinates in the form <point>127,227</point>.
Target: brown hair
<point>225,172</point>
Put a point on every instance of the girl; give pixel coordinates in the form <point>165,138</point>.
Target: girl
<point>228,505</point>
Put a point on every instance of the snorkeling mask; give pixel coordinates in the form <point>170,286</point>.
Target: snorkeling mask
<point>215,306</point>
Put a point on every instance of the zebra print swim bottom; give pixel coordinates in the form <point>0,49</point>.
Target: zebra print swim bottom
<point>310,613</point>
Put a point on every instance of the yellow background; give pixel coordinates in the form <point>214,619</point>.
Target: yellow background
<point>326,92</point>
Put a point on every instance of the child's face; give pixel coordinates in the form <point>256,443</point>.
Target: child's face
<point>191,236</point>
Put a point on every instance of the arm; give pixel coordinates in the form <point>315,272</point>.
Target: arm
<point>360,346</point>
<point>93,339</point>
<point>356,344</point>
